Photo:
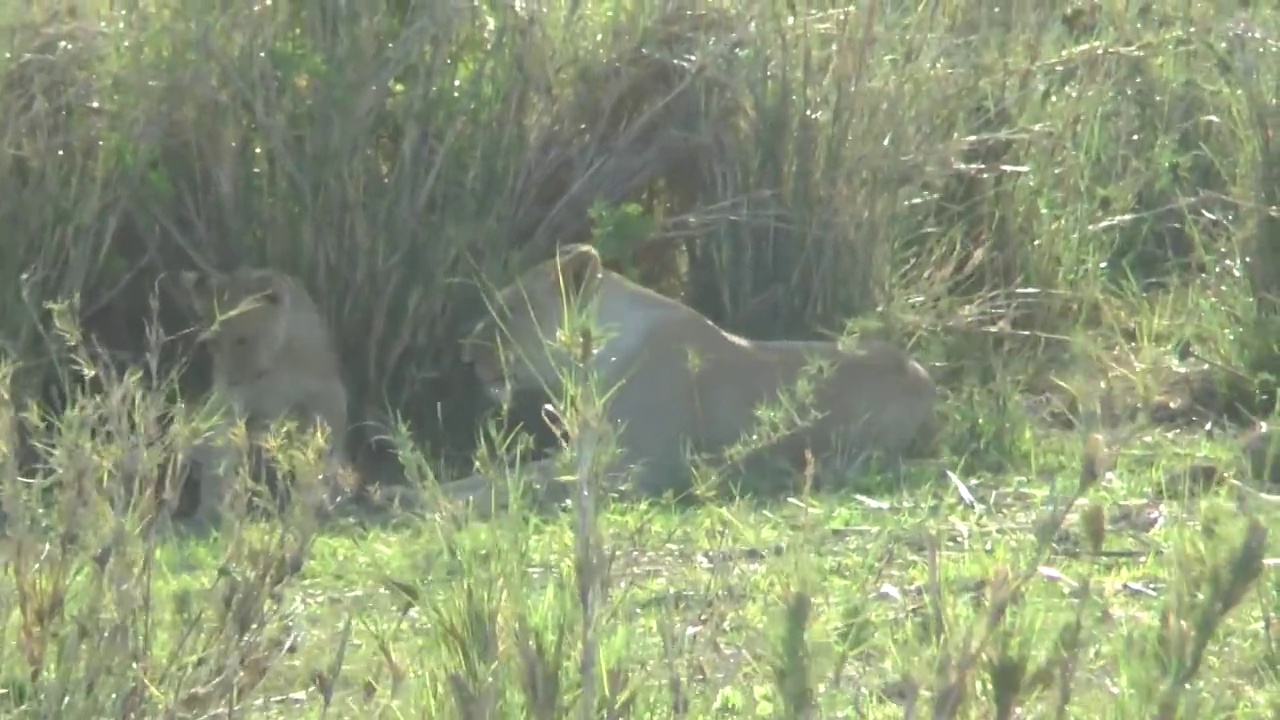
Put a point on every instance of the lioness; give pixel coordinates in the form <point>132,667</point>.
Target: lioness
<point>677,380</point>
<point>273,357</point>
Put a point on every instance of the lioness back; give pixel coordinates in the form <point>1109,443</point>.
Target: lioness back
<point>678,382</point>
<point>273,355</point>
<point>871,396</point>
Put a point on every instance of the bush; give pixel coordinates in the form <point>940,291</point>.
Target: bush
<point>1054,200</point>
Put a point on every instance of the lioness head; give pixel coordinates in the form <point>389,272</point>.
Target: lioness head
<point>509,348</point>
<point>246,317</point>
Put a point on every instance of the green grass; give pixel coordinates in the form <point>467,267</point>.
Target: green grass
<point>1068,211</point>
<point>1087,583</point>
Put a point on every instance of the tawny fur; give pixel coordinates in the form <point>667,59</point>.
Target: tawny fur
<point>872,398</point>
<point>273,357</point>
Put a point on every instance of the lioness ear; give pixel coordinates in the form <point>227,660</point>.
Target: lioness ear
<point>267,286</point>
<point>277,288</point>
<point>578,266</point>
<point>191,281</point>
<point>196,289</point>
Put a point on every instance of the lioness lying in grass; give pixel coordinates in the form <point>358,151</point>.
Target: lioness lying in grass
<point>676,382</point>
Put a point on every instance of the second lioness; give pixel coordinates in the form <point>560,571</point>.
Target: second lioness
<point>678,381</point>
<point>273,358</point>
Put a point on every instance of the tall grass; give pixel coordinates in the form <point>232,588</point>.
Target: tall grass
<point>1045,200</point>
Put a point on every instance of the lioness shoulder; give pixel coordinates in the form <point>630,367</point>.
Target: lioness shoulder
<point>273,357</point>
<point>677,381</point>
